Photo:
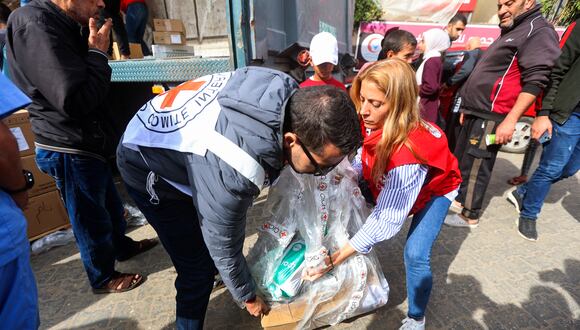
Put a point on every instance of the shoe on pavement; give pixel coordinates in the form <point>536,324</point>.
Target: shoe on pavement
<point>515,199</point>
<point>456,207</point>
<point>456,220</point>
<point>527,229</point>
<point>412,324</point>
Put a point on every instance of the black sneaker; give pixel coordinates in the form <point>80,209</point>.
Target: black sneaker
<point>527,229</point>
<point>516,199</point>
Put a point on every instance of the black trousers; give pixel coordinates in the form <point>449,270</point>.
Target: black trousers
<point>175,220</point>
<point>476,161</point>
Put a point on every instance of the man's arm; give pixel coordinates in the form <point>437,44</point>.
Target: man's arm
<point>570,54</point>
<point>73,83</point>
<point>11,177</point>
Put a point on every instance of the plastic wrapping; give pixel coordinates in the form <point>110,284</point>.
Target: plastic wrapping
<point>320,213</point>
<point>439,11</point>
<point>58,238</point>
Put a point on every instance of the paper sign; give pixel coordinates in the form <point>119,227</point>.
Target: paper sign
<point>175,38</point>
<point>20,139</point>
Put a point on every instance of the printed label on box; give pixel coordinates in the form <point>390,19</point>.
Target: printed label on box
<point>22,144</point>
<point>175,38</point>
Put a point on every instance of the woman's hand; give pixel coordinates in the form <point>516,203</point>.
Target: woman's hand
<point>330,261</point>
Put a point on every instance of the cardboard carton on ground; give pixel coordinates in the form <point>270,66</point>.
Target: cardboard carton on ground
<point>135,49</point>
<point>168,25</point>
<point>45,214</point>
<point>43,183</point>
<point>168,38</point>
<point>170,51</point>
<point>19,125</point>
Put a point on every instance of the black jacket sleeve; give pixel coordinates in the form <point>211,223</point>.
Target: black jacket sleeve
<point>536,59</point>
<point>73,81</point>
<point>570,54</point>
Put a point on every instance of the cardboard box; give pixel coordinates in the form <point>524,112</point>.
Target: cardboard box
<point>135,49</point>
<point>171,51</point>
<point>45,214</point>
<point>43,183</point>
<point>168,38</point>
<point>19,125</point>
<point>168,25</point>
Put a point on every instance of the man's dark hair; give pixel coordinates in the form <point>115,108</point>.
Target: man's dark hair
<point>320,115</point>
<point>4,13</point>
<point>395,40</point>
<point>457,18</point>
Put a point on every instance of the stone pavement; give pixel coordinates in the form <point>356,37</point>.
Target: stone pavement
<point>484,278</point>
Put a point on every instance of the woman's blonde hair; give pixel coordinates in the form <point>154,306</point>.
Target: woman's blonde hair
<point>396,79</point>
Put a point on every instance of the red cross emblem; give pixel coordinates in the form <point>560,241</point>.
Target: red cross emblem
<point>172,93</point>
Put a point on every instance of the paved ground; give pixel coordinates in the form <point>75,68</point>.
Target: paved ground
<point>486,278</point>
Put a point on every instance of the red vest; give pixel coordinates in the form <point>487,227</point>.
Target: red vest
<point>430,144</point>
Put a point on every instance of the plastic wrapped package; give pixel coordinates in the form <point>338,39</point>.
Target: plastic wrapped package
<point>310,217</point>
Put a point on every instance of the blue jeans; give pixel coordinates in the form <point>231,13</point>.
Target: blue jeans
<point>176,222</point>
<point>135,23</point>
<point>560,159</point>
<point>94,208</point>
<point>425,228</point>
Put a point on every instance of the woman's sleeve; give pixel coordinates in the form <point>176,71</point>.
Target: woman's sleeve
<point>402,186</point>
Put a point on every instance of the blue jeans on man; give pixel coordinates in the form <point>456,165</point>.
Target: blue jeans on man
<point>560,159</point>
<point>94,207</point>
<point>425,228</point>
<point>135,24</point>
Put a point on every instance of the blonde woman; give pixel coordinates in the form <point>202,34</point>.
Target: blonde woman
<point>410,171</point>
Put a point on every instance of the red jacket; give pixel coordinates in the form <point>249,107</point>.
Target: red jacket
<point>430,144</point>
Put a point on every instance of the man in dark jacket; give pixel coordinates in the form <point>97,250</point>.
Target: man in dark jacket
<point>504,84</point>
<point>67,76</point>
<point>195,158</point>
<point>560,118</point>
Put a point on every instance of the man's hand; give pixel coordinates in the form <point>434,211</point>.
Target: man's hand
<point>257,307</point>
<point>505,131</point>
<point>99,38</point>
<point>461,118</point>
<point>540,125</point>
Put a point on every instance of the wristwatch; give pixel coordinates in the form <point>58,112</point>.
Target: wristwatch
<point>28,183</point>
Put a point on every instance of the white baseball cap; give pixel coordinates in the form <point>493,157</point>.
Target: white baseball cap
<point>324,48</point>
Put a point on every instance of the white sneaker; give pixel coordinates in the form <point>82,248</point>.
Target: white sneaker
<point>455,220</point>
<point>412,324</point>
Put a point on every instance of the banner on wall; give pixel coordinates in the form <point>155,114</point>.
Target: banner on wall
<point>371,34</point>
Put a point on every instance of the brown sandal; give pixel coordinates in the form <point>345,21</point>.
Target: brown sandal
<point>138,248</point>
<point>121,282</point>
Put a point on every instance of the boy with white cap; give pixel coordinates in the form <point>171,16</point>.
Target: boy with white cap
<point>323,57</point>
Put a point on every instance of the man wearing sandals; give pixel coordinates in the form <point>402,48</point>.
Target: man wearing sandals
<point>194,159</point>
<point>63,67</point>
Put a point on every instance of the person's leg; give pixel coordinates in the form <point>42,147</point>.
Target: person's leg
<point>80,181</point>
<point>425,227</point>
<point>136,23</point>
<point>559,160</point>
<point>176,222</point>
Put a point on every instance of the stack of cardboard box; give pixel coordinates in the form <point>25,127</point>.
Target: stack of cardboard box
<point>169,39</point>
<point>45,212</point>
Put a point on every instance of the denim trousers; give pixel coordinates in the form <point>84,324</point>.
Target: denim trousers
<point>560,159</point>
<point>176,222</point>
<point>425,228</point>
<point>135,24</point>
<point>94,208</point>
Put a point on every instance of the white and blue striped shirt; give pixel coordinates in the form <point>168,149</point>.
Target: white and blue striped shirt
<point>401,187</point>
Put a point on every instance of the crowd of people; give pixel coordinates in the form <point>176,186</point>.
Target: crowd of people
<point>195,181</point>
